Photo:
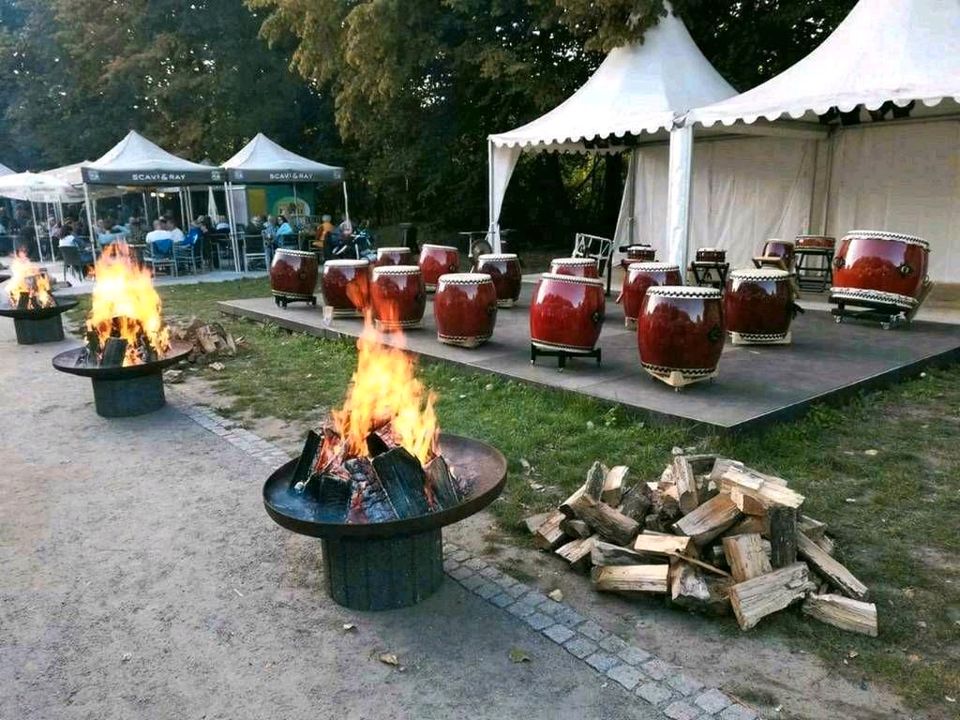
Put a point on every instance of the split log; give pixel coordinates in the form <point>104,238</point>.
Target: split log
<point>666,478</point>
<point>783,535</point>
<point>754,493</point>
<point>720,466</point>
<point>708,520</point>
<point>664,513</point>
<point>745,557</point>
<point>575,528</point>
<point>613,483</point>
<point>702,463</point>
<point>549,535</point>
<point>577,552</point>
<point>114,350</point>
<point>658,548</point>
<point>633,579</point>
<point>753,600</point>
<point>686,484</point>
<point>844,613</point>
<point>404,481</point>
<point>333,497</point>
<point>827,544</point>
<point>446,491</point>
<point>636,502</point>
<point>371,502</point>
<point>308,457</point>
<point>694,590</point>
<point>533,523</point>
<point>832,571</point>
<point>604,554</point>
<point>607,522</point>
<point>23,301</point>
<point>759,524</point>
<point>813,529</point>
<point>592,488</point>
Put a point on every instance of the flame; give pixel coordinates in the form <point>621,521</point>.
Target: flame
<point>385,395</point>
<point>126,305</point>
<point>28,278</point>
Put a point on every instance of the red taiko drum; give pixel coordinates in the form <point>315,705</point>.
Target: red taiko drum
<point>293,276</point>
<point>437,260</point>
<point>714,255</point>
<point>346,287</point>
<point>578,267</point>
<point>680,333</point>
<point>394,256</point>
<point>397,296</point>
<point>465,308</point>
<point>638,253</point>
<point>814,242</point>
<point>782,249</point>
<point>641,276</point>
<point>759,306</point>
<point>567,313</point>
<point>504,270</point>
<point>885,268</point>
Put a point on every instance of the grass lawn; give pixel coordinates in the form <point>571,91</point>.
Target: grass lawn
<point>894,511</point>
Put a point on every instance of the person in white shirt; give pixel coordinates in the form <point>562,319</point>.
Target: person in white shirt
<point>160,239</point>
<point>176,234</point>
<point>68,239</point>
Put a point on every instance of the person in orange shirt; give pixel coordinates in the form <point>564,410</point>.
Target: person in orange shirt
<point>323,232</point>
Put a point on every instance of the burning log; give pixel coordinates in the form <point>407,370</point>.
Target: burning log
<point>23,302</point>
<point>404,481</point>
<point>308,457</point>
<point>370,501</point>
<point>333,496</point>
<point>446,492</point>
<point>114,351</point>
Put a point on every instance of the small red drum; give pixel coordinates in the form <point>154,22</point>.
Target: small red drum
<point>713,255</point>
<point>394,256</point>
<point>759,306</point>
<point>504,270</point>
<point>346,287</point>
<point>885,268</point>
<point>641,276</point>
<point>465,308</point>
<point>638,253</point>
<point>293,276</point>
<point>567,313</point>
<point>398,297</point>
<point>814,242</point>
<point>437,260</point>
<point>578,267</point>
<point>680,333</point>
<point>782,249</point>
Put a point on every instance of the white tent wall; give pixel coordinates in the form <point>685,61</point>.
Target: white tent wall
<point>502,162</point>
<point>902,178</point>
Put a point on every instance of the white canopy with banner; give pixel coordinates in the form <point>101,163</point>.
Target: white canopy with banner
<point>36,188</point>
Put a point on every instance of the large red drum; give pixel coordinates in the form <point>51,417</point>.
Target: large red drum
<point>782,249</point>
<point>398,297</point>
<point>640,277</point>
<point>711,255</point>
<point>465,308</point>
<point>567,313</point>
<point>814,242</point>
<point>293,276</point>
<point>680,333</point>
<point>638,253</point>
<point>504,270</point>
<point>578,267</point>
<point>759,306</point>
<point>346,287</point>
<point>437,260</point>
<point>881,268</point>
<point>394,256</point>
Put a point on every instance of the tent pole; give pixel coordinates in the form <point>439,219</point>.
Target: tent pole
<point>678,198</point>
<point>492,228</point>
<point>86,202</point>
<point>296,205</point>
<point>346,202</point>
<point>36,232</point>
<point>146,209</point>
<point>233,231</point>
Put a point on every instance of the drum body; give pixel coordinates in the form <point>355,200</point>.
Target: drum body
<point>567,313</point>
<point>346,287</point>
<point>680,333</point>
<point>759,306</point>
<point>814,242</point>
<point>437,260</point>
<point>714,255</point>
<point>394,256</point>
<point>882,268</point>
<point>398,297</point>
<point>577,267</point>
<point>504,270</point>
<point>640,277</point>
<point>782,249</point>
<point>293,275</point>
<point>638,253</point>
<point>465,308</point>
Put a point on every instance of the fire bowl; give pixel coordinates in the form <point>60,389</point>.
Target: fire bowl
<point>123,391</point>
<point>38,326</point>
<point>388,565</point>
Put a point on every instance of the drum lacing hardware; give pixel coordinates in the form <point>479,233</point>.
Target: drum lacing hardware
<point>839,263</point>
<point>715,334</point>
<point>492,309</point>
<point>905,269</point>
<point>596,317</point>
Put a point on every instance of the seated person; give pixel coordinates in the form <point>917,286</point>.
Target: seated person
<point>323,232</point>
<point>68,239</point>
<point>176,234</point>
<point>159,240</point>
<point>193,234</point>
<point>286,236</point>
<point>223,225</point>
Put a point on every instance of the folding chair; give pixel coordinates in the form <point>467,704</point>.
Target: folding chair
<point>598,248</point>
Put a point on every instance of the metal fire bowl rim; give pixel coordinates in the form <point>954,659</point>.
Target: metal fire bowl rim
<point>42,314</point>
<point>67,362</point>
<point>473,460</point>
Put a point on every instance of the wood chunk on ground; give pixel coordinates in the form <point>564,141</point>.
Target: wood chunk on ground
<point>746,557</point>
<point>831,570</point>
<point>613,485</point>
<point>708,520</point>
<point>842,612</point>
<point>693,589</point>
<point>752,600</point>
<point>577,552</point>
<point>633,579</point>
<point>549,535</point>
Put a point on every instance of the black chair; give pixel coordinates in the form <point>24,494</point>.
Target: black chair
<point>73,262</point>
<point>189,256</point>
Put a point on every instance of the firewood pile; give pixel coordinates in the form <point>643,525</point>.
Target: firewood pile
<point>209,340</point>
<point>713,535</point>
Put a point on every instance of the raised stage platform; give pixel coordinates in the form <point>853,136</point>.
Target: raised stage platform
<point>755,385</point>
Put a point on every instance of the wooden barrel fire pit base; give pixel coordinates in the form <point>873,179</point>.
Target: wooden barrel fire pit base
<point>129,397</point>
<point>383,573</point>
<point>34,332</point>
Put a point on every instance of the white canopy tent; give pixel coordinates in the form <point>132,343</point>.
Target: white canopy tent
<point>35,188</point>
<point>4,170</point>
<point>900,175</point>
<point>638,89</point>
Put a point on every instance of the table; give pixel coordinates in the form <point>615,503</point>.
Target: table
<point>815,268</point>
<point>703,273</point>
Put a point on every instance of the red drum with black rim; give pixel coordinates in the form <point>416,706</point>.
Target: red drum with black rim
<point>638,253</point>
<point>640,277</point>
<point>814,242</point>
<point>680,333</point>
<point>759,306</point>
<point>883,268</point>
<point>398,297</point>
<point>567,313</point>
<point>293,276</point>
<point>346,287</point>
<point>394,256</point>
<point>714,255</point>
<point>504,270</point>
<point>465,309</point>
<point>578,267</point>
<point>437,260</point>
<point>782,249</point>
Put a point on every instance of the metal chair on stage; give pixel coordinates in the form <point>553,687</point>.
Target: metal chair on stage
<point>598,248</point>
<point>253,251</point>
